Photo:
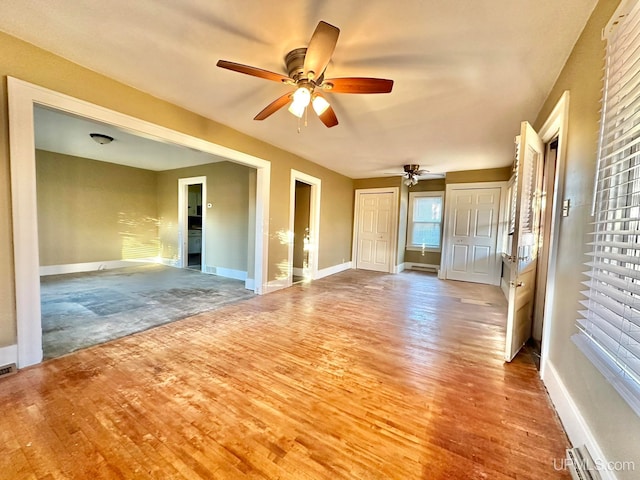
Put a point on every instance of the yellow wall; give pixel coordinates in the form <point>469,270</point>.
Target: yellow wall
<point>378,182</point>
<point>615,426</point>
<point>90,211</point>
<point>473,176</point>
<point>27,62</point>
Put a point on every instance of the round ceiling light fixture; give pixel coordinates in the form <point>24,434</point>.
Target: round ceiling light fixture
<point>101,138</point>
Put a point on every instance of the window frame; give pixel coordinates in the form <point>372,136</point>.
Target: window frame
<point>410,223</point>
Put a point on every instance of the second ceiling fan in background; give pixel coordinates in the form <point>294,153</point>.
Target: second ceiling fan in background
<point>306,68</point>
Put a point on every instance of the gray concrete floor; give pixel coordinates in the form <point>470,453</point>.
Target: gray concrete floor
<point>84,309</point>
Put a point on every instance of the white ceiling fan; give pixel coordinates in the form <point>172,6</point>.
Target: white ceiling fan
<point>413,172</point>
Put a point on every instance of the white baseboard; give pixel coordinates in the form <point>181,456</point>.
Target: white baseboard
<point>226,272</point>
<point>8,355</point>
<point>572,420</point>
<point>400,268</point>
<point>299,272</point>
<point>169,262</point>
<point>504,285</point>
<point>422,266</point>
<point>275,285</point>
<point>250,284</point>
<point>92,266</point>
<point>325,272</point>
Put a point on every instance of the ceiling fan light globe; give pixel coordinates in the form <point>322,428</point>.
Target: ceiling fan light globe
<point>297,109</point>
<point>302,96</point>
<point>320,105</point>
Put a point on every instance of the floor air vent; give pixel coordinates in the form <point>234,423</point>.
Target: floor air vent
<point>581,465</point>
<point>7,370</point>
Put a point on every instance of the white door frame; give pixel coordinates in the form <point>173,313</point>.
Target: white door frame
<point>394,223</point>
<point>556,125</point>
<point>23,96</point>
<point>314,221</point>
<point>183,223</point>
<point>448,235</point>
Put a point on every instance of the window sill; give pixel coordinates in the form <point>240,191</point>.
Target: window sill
<point>416,248</point>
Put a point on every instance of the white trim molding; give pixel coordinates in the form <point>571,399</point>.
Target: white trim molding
<point>8,355</point>
<point>395,224</point>
<point>446,233</point>
<point>227,273</point>
<point>325,272</point>
<point>556,126</point>
<point>22,97</point>
<point>277,284</point>
<point>572,420</point>
<point>93,266</point>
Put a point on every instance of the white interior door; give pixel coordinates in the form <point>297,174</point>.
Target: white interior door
<point>524,253</point>
<point>473,217</point>
<point>375,231</point>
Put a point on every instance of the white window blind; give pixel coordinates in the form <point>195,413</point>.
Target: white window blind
<point>425,220</point>
<point>609,332</point>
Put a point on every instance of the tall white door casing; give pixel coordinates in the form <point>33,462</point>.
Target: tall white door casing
<point>472,234</point>
<point>375,231</point>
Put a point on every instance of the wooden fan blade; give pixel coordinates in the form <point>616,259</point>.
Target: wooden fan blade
<point>321,47</point>
<point>357,85</point>
<point>274,106</point>
<point>329,118</point>
<point>256,72</point>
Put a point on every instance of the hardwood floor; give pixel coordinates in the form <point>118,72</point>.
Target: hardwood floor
<point>358,376</point>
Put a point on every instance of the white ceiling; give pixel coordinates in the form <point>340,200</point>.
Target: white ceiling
<point>60,132</point>
<point>466,72</point>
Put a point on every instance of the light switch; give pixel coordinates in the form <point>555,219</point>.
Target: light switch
<point>565,207</point>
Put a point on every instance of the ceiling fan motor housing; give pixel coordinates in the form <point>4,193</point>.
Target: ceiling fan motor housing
<point>294,60</point>
<point>411,168</point>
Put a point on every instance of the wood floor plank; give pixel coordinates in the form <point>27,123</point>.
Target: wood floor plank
<point>357,376</point>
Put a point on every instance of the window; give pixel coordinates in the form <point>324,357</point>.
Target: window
<point>425,221</point>
<point>609,332</point>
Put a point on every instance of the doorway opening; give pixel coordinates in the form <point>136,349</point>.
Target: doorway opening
<point>194,225</point>
<point>301,230</point>
<point>23,97</point>
<point>542,267</point>
<point>192,221</point>
<point>304,223</point>
<point>538,203</point>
